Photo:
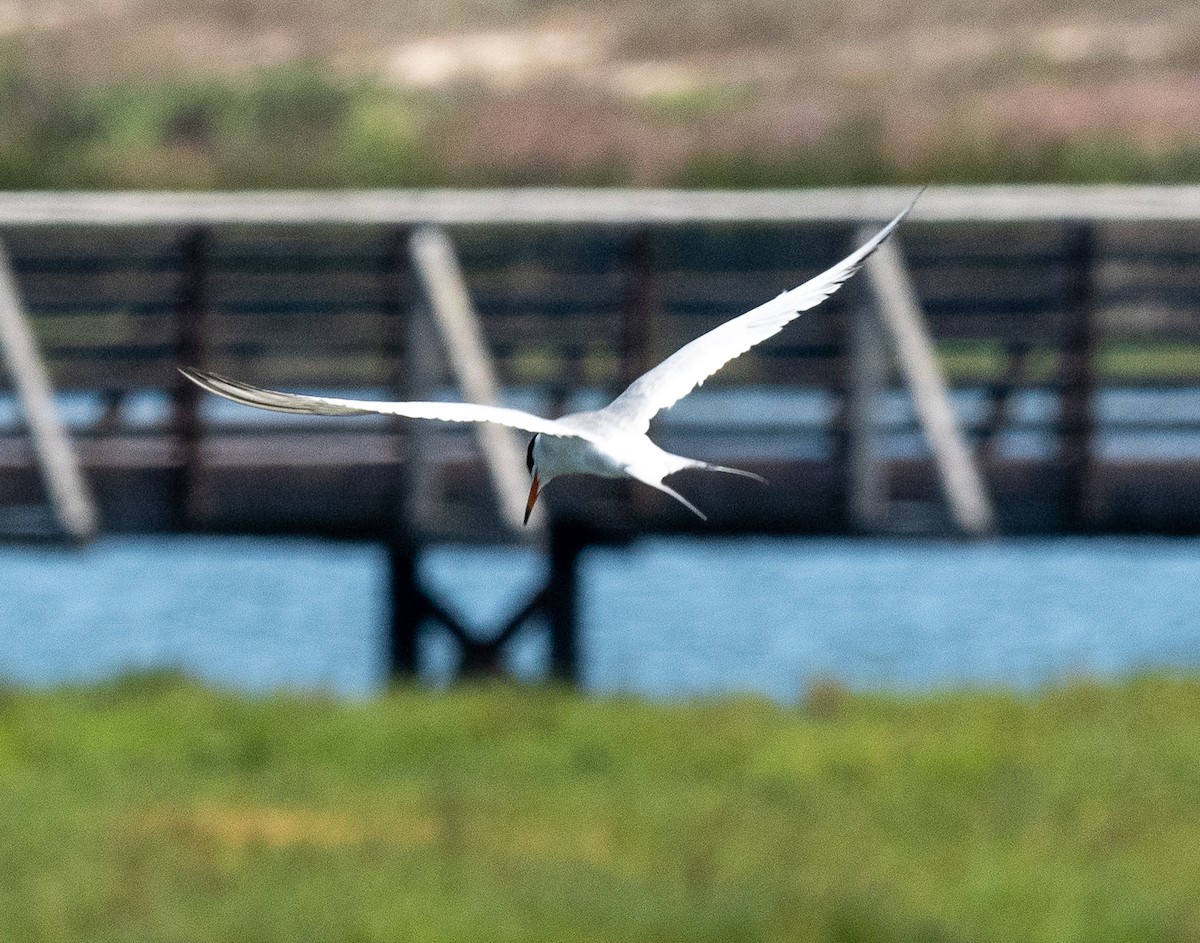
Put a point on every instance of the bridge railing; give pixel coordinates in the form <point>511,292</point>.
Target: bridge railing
<point>1035,298</point>
<point>1052,289</point>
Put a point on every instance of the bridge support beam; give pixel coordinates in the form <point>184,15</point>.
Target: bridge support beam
<point>70,496</point>
<point>407,611</point>
<point>414,610</point>
<point>900,313</point>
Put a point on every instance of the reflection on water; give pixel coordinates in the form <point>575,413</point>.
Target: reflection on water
<point>667,618</point>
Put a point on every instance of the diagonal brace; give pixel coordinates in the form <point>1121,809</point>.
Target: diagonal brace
<point>69,494</point>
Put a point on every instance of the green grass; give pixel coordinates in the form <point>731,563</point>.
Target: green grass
<point>296,125</point>
<point>303,124</point>
<point>1117,362</point>
<point>155,809</point>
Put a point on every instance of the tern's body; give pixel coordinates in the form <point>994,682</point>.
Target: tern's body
<point>609,450</point>
<point>607,453</point>
<point>609,442</point>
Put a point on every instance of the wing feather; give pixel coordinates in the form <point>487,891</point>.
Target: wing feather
<point>255,396</point>
<point>666,384</point>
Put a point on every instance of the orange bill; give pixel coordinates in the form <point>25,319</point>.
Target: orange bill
<point>533,496</point>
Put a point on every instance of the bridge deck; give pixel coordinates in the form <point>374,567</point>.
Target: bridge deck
<point>349,487</point>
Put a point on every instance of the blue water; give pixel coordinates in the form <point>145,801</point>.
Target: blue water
<point>668,618</point>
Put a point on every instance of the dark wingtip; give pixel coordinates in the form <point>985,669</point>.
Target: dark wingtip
<point>199,377</point>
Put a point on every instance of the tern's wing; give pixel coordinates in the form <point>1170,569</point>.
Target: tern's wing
<point>329,406</point>
<point>691,365</point>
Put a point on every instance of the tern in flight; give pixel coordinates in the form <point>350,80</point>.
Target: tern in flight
<point>609,442</point>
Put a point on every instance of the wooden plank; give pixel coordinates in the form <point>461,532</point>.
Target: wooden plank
<point>985,243</point>
<point>119,288</point>
<point>545,286</point>
<point>589,252</point>
<point>70,497</point>
<point>520,325</point>
<point>561,206</point>
<point>285,327</point>
<point>350,288</point>
<point>63,334</point>
<point>310,368</point>
<point>1134,239</point>
<point>114,374</point>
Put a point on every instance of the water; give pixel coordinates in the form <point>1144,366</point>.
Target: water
<point>668,618</point>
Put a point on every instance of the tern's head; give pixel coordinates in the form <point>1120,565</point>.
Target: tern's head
<point>531,464</point>
<point>545,460</point>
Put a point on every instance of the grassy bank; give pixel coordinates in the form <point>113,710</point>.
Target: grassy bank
<point>303,125</point>
<point>259,93</point>
<point>158,810</point>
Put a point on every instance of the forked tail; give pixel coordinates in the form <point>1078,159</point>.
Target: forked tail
<point>703,466</point>
<point>731,471</point>
<point>678,497</point>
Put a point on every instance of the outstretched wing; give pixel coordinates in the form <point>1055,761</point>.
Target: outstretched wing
<point>249,395</point>
<point>664,385</point>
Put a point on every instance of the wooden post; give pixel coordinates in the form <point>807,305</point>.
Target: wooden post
<point>69,495</point>
<point>1077,361</point>
<point>394,307</point>
<point>639,304</point>
<point>408,610</point>
<point>191,308</point>
<point>408,371</point>
<point>567,541</point>
<point>639,307</point>
<point>866,470</point>
<point>414,374</point>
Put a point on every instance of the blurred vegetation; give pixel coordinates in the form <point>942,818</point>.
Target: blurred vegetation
<point>292,126</point>
<point>155,809</point>
<point>1118,362</point>
<point>301,124</point>
<point>857,154</point>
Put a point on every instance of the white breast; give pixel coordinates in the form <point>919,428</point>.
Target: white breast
<point>621,455</point>
<point>566,455</point>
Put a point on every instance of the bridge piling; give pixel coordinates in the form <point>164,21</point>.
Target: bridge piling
<point>407,609</point>
<point>413,610</point>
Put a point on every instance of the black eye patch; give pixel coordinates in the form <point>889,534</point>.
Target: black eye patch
<point>529,455</point>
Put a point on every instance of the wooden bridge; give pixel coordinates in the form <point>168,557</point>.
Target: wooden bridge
<point>1046,292</point>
